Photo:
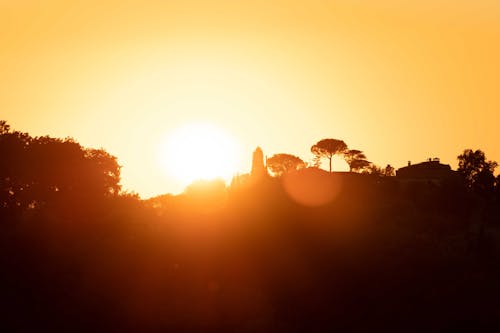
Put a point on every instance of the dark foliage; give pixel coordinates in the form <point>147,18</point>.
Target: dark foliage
<point>376,256</point>
<point>39,172</point>
<point>281,164</point>
<point>477,172</point>
<point>356,159</point>
<point>328,148</point>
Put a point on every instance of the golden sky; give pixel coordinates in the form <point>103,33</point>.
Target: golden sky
<point>400,80</point>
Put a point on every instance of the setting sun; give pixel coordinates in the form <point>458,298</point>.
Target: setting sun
<point>249,165</point>
<point>199,151</point>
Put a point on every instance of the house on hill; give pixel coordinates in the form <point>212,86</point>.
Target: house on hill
<point>430,171</point>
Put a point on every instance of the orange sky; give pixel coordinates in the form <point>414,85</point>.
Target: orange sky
<point>399,80</point>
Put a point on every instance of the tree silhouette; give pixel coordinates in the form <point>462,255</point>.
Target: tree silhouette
<point>356,160</point>
<point>316,161</point>
<point>281,164</point>
<point>105,171</point>
<point>14,171</point>
<point>476,171</point>
<point>4,127</point>
<point>44,170</point>
<point>373,169</point>
<point>327,148</point>
<point>389,171</point>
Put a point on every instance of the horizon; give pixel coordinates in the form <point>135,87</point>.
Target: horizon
<point>249,166</point>
<point>339,163</point>
<point>399,81</point>
<point>339,158</point>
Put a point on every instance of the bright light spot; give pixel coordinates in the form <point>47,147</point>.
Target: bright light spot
<point>199,151</point>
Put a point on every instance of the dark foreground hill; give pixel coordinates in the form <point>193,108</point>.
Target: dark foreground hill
<point>375,257</point>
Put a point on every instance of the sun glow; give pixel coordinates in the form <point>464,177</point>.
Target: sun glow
<point>199,151</point>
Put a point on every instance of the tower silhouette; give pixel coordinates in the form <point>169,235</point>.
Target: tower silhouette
<point>258,167</point>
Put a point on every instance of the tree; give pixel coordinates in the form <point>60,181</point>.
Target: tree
<point>14,168</point>
<point>104,170</point>
<point>373,169</point>
<point>478,177</point>
<point>316,161</point>
<point>41,171</point>
<point>356,160</point>
<point>281,164</point>
<point>476,171</point>
<point>389,171</point>
<point>327,148</point>
<point>4,127</point>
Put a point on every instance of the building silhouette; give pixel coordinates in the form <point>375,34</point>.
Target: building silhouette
<point>258,167</point>
<point>430,171</point>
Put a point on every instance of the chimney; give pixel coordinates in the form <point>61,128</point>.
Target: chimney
<point>409,163</point>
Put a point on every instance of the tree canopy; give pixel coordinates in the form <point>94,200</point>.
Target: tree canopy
<point>476,171</point>
<point>328,148</point>
<point>36,171</point>
<point>280,164</point>
<point>356,159</point>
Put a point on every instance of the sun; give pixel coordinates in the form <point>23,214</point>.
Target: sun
<point>199,151</point>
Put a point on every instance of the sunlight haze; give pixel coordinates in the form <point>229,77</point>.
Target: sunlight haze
<point>398,80</point>
<point>199,151</point>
